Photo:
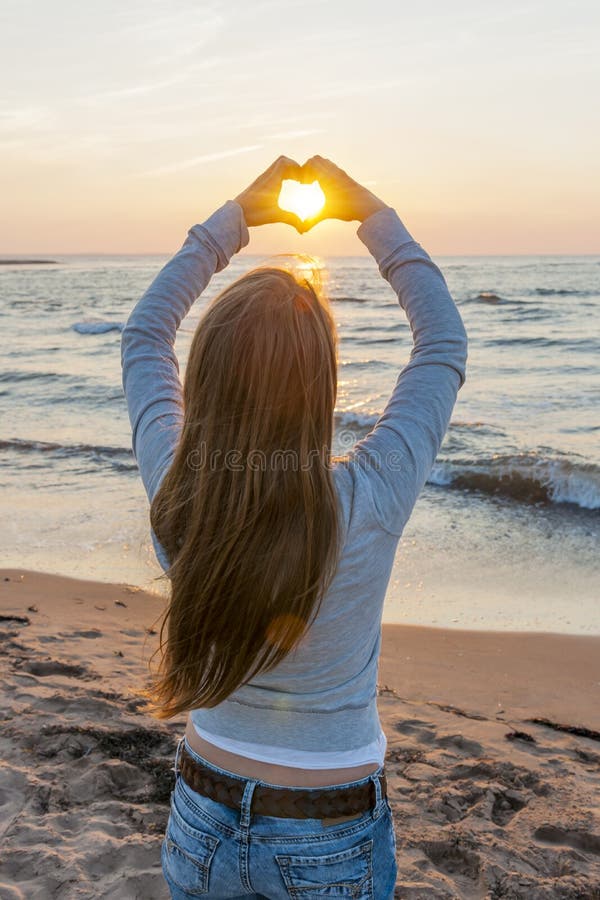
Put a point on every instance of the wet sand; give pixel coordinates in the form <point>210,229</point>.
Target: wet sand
<point>493,752</point>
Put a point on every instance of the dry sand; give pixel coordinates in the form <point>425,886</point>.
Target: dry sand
<point>488,803</point>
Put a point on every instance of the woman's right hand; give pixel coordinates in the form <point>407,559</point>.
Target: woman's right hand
<point>345,198</point>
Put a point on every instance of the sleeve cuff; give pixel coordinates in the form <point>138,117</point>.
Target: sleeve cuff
<point>227,228</point>
<point>383,232</point>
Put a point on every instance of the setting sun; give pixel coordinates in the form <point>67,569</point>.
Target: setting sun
<point>306,200</point>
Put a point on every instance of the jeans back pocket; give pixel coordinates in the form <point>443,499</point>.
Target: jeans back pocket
<point>187,854</point>
<point>348,873</point>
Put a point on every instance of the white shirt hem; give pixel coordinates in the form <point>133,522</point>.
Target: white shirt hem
<point>301,759</point>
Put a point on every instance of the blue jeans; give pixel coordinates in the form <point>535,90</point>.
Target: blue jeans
<point>211,850</point>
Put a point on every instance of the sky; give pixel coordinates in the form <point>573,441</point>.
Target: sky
<point>123,124</point>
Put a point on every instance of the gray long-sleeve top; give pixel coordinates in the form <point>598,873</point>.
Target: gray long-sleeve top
<point>323,694</point>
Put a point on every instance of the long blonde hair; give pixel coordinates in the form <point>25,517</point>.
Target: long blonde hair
<point>247,512</point>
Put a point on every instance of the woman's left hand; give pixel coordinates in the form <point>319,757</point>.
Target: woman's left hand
<point>259,201</point>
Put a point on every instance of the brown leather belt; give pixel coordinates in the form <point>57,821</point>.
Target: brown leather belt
<point>285,803</point>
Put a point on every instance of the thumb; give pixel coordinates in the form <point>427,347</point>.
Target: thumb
<point>309,223</point>
<point>290,218</point>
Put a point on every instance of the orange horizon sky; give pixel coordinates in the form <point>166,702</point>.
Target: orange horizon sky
<point>122,126</point>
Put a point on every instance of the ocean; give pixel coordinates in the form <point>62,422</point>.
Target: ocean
<point>505,533</point>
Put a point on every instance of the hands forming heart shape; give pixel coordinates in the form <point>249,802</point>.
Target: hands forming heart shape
<point>314,191</point>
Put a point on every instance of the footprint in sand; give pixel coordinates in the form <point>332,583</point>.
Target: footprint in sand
<point>506,773</point>
<point>451,859</point>
<point>578,840</point>
<point>422,731</point>
<point>461,743</point>
<point>586,756</point>
<point>506,805</point>
<point>457,803</point>
<point>44,668</point>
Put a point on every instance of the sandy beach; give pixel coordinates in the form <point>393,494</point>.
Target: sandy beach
<point>493,752</point>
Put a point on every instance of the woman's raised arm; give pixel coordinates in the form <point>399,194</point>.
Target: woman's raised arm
<point>400,450</point>
<point>150,369</point>
<point>397,455</point>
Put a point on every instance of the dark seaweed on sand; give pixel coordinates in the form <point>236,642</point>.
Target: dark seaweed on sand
<point>145,748</point>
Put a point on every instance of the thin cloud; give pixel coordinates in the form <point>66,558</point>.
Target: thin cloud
<point>197,160</point>
<point>134,90</point>
<point>290,135</point>
<point>177,21</point>
<point>360,89</point>
<point>27,118</point>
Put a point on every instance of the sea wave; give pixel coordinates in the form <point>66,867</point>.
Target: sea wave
<point>375,301</point>
<point>10,375</point>
<point>487,297</point>
<point>99,327</point>
<point>570,343</point>
<point>563,292</point>
<point>490,298</point>
<point>351,419</point>
<point>378,340</point>
<point>494,299</point>
<point>350,299</point>
<point>526,477</point>
<point>97,452</point>
<point>46,446</point>
<point>366,365</point>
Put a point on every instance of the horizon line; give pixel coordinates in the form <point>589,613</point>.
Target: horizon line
<point>43,257</point>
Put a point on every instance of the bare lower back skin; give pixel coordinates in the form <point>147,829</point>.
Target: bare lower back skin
<point>271,772</point>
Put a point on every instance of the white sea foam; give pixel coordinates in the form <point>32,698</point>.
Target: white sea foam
<point>99,327</point>
<point>524,477</point>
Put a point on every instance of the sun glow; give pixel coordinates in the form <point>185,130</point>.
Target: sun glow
<point>306,200</point>
<point>303,267</point>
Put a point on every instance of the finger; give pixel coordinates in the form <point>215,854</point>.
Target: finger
<point>318,169</point>
<point>282,164</point>
<point>312,167</point>
<point>326,166</point>
<point>288,218</point>
<point>276,172</point>
<point>307,224</point>
<point>281,159</point>
<point>285,167</point>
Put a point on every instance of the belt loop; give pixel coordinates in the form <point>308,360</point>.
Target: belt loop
<point>377,783</point>
<point>376,779</point>
<point>175,767</point>
<point>246,804</point>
